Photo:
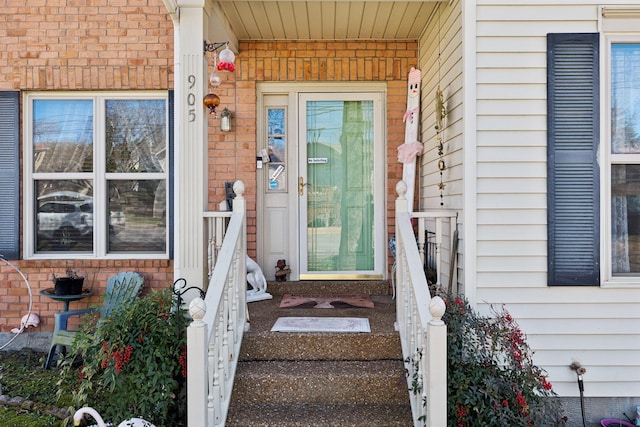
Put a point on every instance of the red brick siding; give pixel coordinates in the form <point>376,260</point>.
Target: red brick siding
<point>66,45</point>
<point>232,155</point>
<point>14,297</point>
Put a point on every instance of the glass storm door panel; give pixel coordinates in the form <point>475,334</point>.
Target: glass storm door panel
<point>341,185</point>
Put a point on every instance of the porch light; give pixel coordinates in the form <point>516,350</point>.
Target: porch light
<point>225,120</point>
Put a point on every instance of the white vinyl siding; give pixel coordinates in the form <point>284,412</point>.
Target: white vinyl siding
<point>562,323</point>
<point>442,37</point>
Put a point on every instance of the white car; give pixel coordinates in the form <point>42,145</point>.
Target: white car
<point>67,222</point>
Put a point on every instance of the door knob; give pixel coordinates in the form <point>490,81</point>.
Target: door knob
<point>301,185</point>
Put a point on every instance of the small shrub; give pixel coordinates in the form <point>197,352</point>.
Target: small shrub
<point>133,364</point>
<point>492,380</point>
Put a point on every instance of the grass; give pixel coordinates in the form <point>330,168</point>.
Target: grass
<point>23,376</point>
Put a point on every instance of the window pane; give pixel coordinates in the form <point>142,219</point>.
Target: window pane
<point>625,219</point>
<point>62,136</point>
<point>136,135</point>
<point>276,149</point>
<point>340,228</point>
<point>137,216</point>
<point>64,216</point>
<point>625,98</point>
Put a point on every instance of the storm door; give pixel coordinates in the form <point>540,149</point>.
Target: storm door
<point>341,191</point>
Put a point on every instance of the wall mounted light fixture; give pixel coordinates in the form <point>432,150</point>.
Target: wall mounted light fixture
<point>225,120</point>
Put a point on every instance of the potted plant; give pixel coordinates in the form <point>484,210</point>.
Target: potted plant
<point>70,284</point>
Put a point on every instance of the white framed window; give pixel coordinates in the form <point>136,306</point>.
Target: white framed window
<point>96,175</point>
<point>621,177</point>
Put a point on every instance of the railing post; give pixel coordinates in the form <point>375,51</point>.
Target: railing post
<point>239,206</point>
<point>197,364</point>
<point>402,205</point>
<point>436,382</point>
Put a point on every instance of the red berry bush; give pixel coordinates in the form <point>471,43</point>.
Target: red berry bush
<point>133,364</point>
<point>492,380</point>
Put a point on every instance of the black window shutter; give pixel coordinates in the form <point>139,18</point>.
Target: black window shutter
<point>9,174</point>
<point>573,174</point>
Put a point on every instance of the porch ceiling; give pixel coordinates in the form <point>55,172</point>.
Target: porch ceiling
<point>324,20</point>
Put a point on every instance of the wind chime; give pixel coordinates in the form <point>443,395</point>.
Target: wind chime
<point>441,114</point>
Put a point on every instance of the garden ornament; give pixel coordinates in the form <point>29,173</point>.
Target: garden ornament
<point>258,282</point>
<point>28,320</point>
<point>133,422</point>
<point>282,270</point>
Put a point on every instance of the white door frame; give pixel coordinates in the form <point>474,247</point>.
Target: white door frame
<point>266,233</point>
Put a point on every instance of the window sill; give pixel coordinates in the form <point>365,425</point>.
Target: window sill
<point>621,284</point>
<point>90,257</point>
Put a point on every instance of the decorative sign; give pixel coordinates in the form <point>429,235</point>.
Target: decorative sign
<point>316,160</point>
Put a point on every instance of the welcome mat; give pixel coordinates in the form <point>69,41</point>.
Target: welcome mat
<point>322,324</point>
<point>326,301</point>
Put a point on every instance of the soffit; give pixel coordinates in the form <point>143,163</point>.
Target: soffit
<point>324,20</point>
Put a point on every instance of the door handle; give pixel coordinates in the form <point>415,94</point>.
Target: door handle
<point>301,185</point>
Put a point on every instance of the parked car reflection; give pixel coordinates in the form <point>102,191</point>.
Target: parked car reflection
<point>65,221</point>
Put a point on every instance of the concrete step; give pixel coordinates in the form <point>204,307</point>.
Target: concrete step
<point>321,382</point>
<point>370,287</point>
<point>321,379</point>
<point>259,343</point>
<point>307,415</point>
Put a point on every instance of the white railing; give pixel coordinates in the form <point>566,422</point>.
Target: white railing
<point>422,332</point>
<point>215,228</point>
<point>219,321</point>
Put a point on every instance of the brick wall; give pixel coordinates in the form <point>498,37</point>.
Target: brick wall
<point>232,155</point>
<point>71,45</point>
<point>14,295</point>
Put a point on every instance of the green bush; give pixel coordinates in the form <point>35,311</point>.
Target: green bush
<point>492,380</point>
<point>133,364</point>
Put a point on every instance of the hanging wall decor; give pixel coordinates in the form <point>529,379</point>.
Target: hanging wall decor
<point>411,148</point>
<point>441,114</point>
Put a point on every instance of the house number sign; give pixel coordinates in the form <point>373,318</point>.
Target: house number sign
<point>191,98</point>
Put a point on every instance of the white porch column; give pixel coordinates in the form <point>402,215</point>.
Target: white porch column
<point>190,144</point>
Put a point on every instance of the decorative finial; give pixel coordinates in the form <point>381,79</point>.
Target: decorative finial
<point>437,309</point>
<point>197,309</point>
<point>401,189</point>
<point>238,188</point>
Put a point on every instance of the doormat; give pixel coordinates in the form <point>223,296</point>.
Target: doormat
<point>326,301</point>
<point>322,324</point>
